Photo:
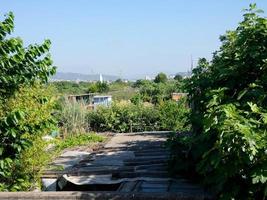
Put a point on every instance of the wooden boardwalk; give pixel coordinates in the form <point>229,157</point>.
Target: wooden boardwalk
<point>130,166</point>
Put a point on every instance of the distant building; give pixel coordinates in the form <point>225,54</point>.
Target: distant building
<point>101,78</point>
<point>91,101</point>
<point>85,98</point>
<point>178,96</point>
<point>102,100</point>
<point>148,78</point>
<point>171,76</point>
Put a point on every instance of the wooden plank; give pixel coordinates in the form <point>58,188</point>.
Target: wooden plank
<point>152,149</point>
<point>138,186</point>
<point>155,186</point>
<point>146,162</point>
<point>147,158</point>
<point>153,167</point>
<point>101,170</point>
<point>150,190</point>
<point>145,172</point>
<point>72,195</point>
<point>155,153</point>
<point>152,174</point>
<point>127,186</point>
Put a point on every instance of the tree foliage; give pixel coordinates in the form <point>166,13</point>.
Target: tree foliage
<point>127,117</point>
<point>228,100</point>
<point>20,67</point>
<point>174,115</point>
<point>161,78</point>
<point>156,92</point>
<point>178,77</point>
<point>98,87</point>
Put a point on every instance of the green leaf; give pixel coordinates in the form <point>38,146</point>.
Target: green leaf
<point>1,151</point>
<point>2,164</point>
<point>254,108</point>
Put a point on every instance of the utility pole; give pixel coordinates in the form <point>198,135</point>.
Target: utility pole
<point>192,64</point>
<point>120,74</point>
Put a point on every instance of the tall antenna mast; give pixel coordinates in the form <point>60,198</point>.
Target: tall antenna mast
<point>120,74</point>
<point>192,64</point>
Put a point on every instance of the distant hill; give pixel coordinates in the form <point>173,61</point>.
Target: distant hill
<point>152,75</point>
<point>69,76</point>
<point>184,73</point>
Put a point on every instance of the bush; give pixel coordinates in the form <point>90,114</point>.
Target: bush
<point>36,103</point>
<point>161,78</point>
<point>174,115</point>
<point>156,92</point>
<point>25,112</point>
<point>124,117</point>
<point>128,117</point>
<point>98,87</point>
<point>228,99</point>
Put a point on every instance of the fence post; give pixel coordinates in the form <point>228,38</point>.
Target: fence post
<point>131,127</point>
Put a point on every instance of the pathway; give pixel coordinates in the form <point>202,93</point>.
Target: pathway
<point>130,166</point>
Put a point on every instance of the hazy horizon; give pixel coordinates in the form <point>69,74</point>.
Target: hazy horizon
<point>129,77</point>
<point>126,38</point>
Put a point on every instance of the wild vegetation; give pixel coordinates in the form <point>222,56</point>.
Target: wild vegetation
<point>224,117</point>
<point>128,117</point>
<point>72,88</point>
<point>25,112</point>
<point>30,110</point>
<point>77,140</point>
<point>144,90</point>
<point>227,149</point>
<point>150,109</point>
<point>72,117</point>
<point>157,91</point>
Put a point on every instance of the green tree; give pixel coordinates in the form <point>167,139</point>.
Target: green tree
<point>139,83</point>
<point>92,88</point>
<point>228,100</point>
<point>161,78</point>
<point>102,87</point>
<point>19,67</point>
<point>119,80</point>
<point>173,115</point>
<point>178,77</point>
<point>98,87</point>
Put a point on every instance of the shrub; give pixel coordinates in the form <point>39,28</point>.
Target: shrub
<point>228,99</point>
<point>98,87</point>
<point>24,113</point>
<point>161,78</point>
<point>156,92</point>
<point>128,117</point>
<point>36,103</point>
<point>124,117</point>
<point>174,115</point>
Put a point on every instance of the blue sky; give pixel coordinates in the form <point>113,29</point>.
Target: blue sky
<point>126,37</point>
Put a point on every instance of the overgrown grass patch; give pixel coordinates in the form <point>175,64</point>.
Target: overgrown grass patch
<point>78,140</point>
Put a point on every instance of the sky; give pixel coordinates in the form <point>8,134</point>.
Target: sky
<point>128,38</point>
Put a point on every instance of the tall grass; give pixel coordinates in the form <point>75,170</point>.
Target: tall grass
<point>73,118</point>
